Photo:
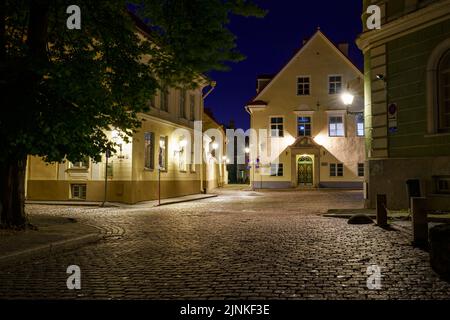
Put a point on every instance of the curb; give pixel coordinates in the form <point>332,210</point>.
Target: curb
<point>51,248</point>
<point>187,200</point>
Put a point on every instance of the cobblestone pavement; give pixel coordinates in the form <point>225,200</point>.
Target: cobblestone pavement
<point>241,245</point>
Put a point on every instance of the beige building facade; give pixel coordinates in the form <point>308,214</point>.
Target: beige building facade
<point>309,137</point>
<point>156,162</point>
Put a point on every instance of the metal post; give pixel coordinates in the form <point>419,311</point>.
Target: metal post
<point>159,186</point>
<point>420,221</point>
<point>107,155</point>
<point>382,210</point>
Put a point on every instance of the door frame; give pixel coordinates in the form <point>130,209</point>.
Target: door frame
<point>311,164</point>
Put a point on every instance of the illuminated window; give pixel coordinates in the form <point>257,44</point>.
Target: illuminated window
<point>78,191</point>
<point>303,86</point>
<point>162,156</point>
<point>149,151</point>
<point>336,126</point>
<point>304,126</point>
<point>276,127</point>
<point>334,84</point>
<point>360,125</point>
<point>276,170</point>
<point>336,170</point>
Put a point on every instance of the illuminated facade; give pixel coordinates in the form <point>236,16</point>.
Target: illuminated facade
<point>313,139</point>
<point>133,173</point>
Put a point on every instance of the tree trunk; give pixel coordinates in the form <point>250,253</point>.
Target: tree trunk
<point>12,197</point>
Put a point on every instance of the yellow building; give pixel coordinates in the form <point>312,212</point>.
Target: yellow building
<point>165,139</point>
<point>309,138</point>
<point>215,174</point>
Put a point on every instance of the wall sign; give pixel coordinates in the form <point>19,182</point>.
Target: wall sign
<point>392,117</point>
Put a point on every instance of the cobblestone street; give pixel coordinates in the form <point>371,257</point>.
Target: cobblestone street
<point>240,245</point>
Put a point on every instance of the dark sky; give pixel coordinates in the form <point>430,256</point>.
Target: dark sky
<point>270,42</point>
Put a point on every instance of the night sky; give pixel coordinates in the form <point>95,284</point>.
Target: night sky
<point>270,42</point>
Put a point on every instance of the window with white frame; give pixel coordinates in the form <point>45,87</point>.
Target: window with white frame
<point>336,170</point>
<point>303,86</point>
<point>276,170</point>
<point>78,191</point>
<point>334,84</point>
<point>163,151</point>
<point>304,126</point>
<point>276,127</point>
<point>149,150</point>
<point>336,126</point>
<point>360,169</point>
<point>360,125</point>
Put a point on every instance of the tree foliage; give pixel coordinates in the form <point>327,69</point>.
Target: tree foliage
<point>61,89</point>
<point>59,103</point>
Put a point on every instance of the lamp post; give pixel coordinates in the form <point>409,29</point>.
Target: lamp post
<point>107,156</point>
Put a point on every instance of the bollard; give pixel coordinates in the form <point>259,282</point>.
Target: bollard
<point>420,221</point>
<point>382,210</point>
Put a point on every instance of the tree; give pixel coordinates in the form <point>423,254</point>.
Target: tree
<point>62,89</point>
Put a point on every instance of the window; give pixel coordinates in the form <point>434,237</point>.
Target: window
<point>303,86</point>
<point>83,164</point>
<point>276,127</point>
<point>192,106</point>
<point>336,170</point>
<point>149,151</point>
<point>162,156</point>
<point>182,107</point>
<point>276,170</point>
<point>443,185</point>
<point>444,93</point>
<point>165,99</point>
<point>304,126</point>
<point>360,125</point>
<point>360,169</point>
<point>193,167</point>
<point>334,84</point>
<point>336,126</point>
<point>78,191</point>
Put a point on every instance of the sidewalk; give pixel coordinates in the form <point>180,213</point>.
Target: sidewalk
<point>53,234</point>
<point>145,204</point>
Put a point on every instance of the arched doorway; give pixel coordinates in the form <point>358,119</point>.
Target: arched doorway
<point>305,171</point>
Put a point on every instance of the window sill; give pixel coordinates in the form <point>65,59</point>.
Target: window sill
<point>78,169</point>
<point>149,170</point>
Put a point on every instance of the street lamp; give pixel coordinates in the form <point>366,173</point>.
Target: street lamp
<point>347,98</point>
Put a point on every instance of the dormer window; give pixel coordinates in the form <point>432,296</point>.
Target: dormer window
<point>334,84</point>
<point>303,86</point>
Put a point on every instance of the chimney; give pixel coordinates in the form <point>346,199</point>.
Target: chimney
<point>343,47</point>
<point>262,82</point>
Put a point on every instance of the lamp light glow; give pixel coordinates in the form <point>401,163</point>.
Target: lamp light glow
<point>347,98</point>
